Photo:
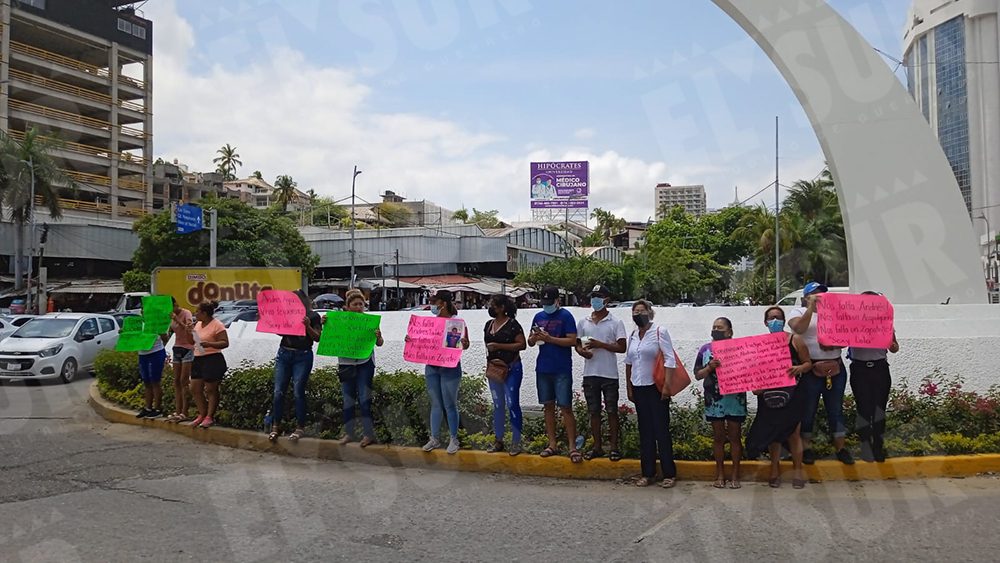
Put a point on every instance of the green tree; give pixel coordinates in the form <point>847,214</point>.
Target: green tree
<point>326,212</point>
<point>394,214</point>
<point>578,274</point>
<point>461,215</point>
<point>27,167</point>
<point>607,226</point>
<point>247,237</point>
<point>284,191</point>
<point>484,219</point>
<point>228,161</point>
<point>257,174</point>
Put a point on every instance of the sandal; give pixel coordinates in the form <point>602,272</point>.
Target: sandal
<point>549,451</point>
<point>734,484</point>
<point>798,483</point>
<point>592,454</point>
<point>575,457</point>
<point>294,436</point>
<point>344,440</point>
<point>367,441</point>
<point>273,436</point>
<point>668,483</point>
<point>719,484</point>
<point>642,482</point>
<point>515,449</point>
<point>774,482</point>
<point>495,447</point>
<point>615,455</point>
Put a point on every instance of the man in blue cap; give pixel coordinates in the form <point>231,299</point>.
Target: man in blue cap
<point>828,378</point>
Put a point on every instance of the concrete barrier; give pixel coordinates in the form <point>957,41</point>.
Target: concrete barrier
<point>534,466</point>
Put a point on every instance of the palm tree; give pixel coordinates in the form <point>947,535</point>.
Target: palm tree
<point>257,174</point>
<point>228,161</point>
<point>461,215</point>
<point>26,170</point>
<point>284,191</point>
<point>607,225</point>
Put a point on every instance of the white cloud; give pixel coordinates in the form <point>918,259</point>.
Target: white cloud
<point>287,115</point>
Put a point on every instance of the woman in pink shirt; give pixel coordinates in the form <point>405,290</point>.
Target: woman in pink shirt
<point>210,339</point>
<point>183,356</point>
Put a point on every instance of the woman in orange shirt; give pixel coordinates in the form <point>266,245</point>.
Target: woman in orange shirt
<point>210,339</point>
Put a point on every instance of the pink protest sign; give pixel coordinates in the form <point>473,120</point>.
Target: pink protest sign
<point>752,363</point>
<point>281,312</point>
<point>864,321</point>
<point>434,341</point>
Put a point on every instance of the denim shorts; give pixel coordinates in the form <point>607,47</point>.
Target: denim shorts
<point>183,355</point>
<point>555,387</point>
<point>151,366</point>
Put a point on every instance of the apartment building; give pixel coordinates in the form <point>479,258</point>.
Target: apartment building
<point>173,182</point>
<point>80,71</point>
<point>259,193</point>
<point>691,198</point>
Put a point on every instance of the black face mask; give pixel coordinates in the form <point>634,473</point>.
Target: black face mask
<point>492,312</point>
<point>640,320</point>
<point>718,335</point>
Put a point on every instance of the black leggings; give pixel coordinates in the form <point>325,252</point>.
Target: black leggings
<point>871,382</point>
<point>654,432</point>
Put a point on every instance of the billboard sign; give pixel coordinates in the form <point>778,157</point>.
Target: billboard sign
<point>560,185</point>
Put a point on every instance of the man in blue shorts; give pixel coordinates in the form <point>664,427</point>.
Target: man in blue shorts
<point>554,331</point>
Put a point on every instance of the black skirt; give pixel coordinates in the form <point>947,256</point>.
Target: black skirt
<point>775,425</point>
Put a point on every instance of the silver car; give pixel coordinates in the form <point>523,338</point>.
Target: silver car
<point>57,345</point>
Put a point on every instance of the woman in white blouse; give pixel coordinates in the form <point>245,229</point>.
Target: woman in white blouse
<point>652,406</point>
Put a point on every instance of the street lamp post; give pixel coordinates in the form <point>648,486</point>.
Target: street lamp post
<point>989,256</point>
<point>353,182</point>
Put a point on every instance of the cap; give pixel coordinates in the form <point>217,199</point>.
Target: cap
<point>813,287</point>
<point>549,294</point>
<point>444,295</point>
<point>600,291</point>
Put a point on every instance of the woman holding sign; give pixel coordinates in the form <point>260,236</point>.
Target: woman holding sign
<point>293,364</point>
<point>356,378</point>
<point>871,382</point>
<point>648,346</point>
<point>726,413</point>
<point>210,339</point>
<point>779,411</point>
<point>442,383</point>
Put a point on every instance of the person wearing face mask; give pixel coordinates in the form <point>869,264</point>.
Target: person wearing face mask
<point>726,413</point>
<point>779,411</point>
<point>645,347</point>
<point>828,377</point>
<point>442,383</point>
<point>504,340</point>
<point>554,331</point>
<point>599,338</point>
<point>870,383</point>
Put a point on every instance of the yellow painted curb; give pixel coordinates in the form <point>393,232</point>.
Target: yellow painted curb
<point>558,466</point>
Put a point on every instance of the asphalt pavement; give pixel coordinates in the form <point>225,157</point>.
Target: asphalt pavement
<point>76,488</point>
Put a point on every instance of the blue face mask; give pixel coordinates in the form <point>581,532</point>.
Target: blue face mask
<point>549,309</point>
<point>776,325</point>
<point>597,303</point>
<point>435,309</point>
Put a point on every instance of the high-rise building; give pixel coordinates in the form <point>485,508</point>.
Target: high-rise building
<point>951,49</point>
<point>691,198</point>
<point>80,71</point>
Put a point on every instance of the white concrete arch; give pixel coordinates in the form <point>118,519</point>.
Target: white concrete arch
<point>908,231</point>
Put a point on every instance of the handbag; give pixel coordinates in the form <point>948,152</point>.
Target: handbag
<point>681,377</point>
<point>826,368</point>
<point>780,397</point>
<point>497,370</point>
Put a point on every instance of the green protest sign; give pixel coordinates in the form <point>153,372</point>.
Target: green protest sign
<point>135,342</point>
<point>132,324</point>
<point>348,335</point>
<point>156,311</point>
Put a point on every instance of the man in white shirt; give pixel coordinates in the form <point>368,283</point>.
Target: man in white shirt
<point>600,337</point>
<point>829,385</point>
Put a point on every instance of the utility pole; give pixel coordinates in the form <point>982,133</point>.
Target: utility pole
<point>42,279</point>
<point>383,285</point>
<point>353,182</point>
<point>31,243</point>
<point>213,240</point>
<point>777,224</point>
<point>398,294</point>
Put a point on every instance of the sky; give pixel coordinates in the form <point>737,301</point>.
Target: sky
<point>450,100</point>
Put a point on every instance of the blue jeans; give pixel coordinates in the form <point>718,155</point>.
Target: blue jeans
<point>356,384</point>
<point>507,395</point>
<point>833,400</point>
<point>291,366</point>
<point>442,387</point>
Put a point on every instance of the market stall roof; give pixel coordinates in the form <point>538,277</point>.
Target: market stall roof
<point>92,286</point>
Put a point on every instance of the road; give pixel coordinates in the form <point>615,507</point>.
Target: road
<point>76,488</point>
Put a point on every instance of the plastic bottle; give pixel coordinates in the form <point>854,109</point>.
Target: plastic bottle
<point>579,441</point>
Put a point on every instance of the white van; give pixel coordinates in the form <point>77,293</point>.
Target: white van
<point>794,298</point>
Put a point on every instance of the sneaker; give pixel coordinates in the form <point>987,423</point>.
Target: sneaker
<point>454,446</point>
<point>143,413</point>
<point>206,422</point>
<point>431,445</point>
<point>845,457</point>
<point>495,447</point>
<point>879,453</point>
<point>515,449</point>
<point>154,414</point>
<point>197,420</point>
<point>808,456</point>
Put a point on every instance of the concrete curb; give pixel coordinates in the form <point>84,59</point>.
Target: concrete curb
<point>556,467</point>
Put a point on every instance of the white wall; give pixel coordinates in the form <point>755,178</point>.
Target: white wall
<point>962,340</point>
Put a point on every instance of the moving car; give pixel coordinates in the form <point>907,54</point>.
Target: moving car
<point>57,345</point>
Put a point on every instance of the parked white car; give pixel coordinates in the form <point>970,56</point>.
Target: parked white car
<point>6,328</point>
<point>56,345</point>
